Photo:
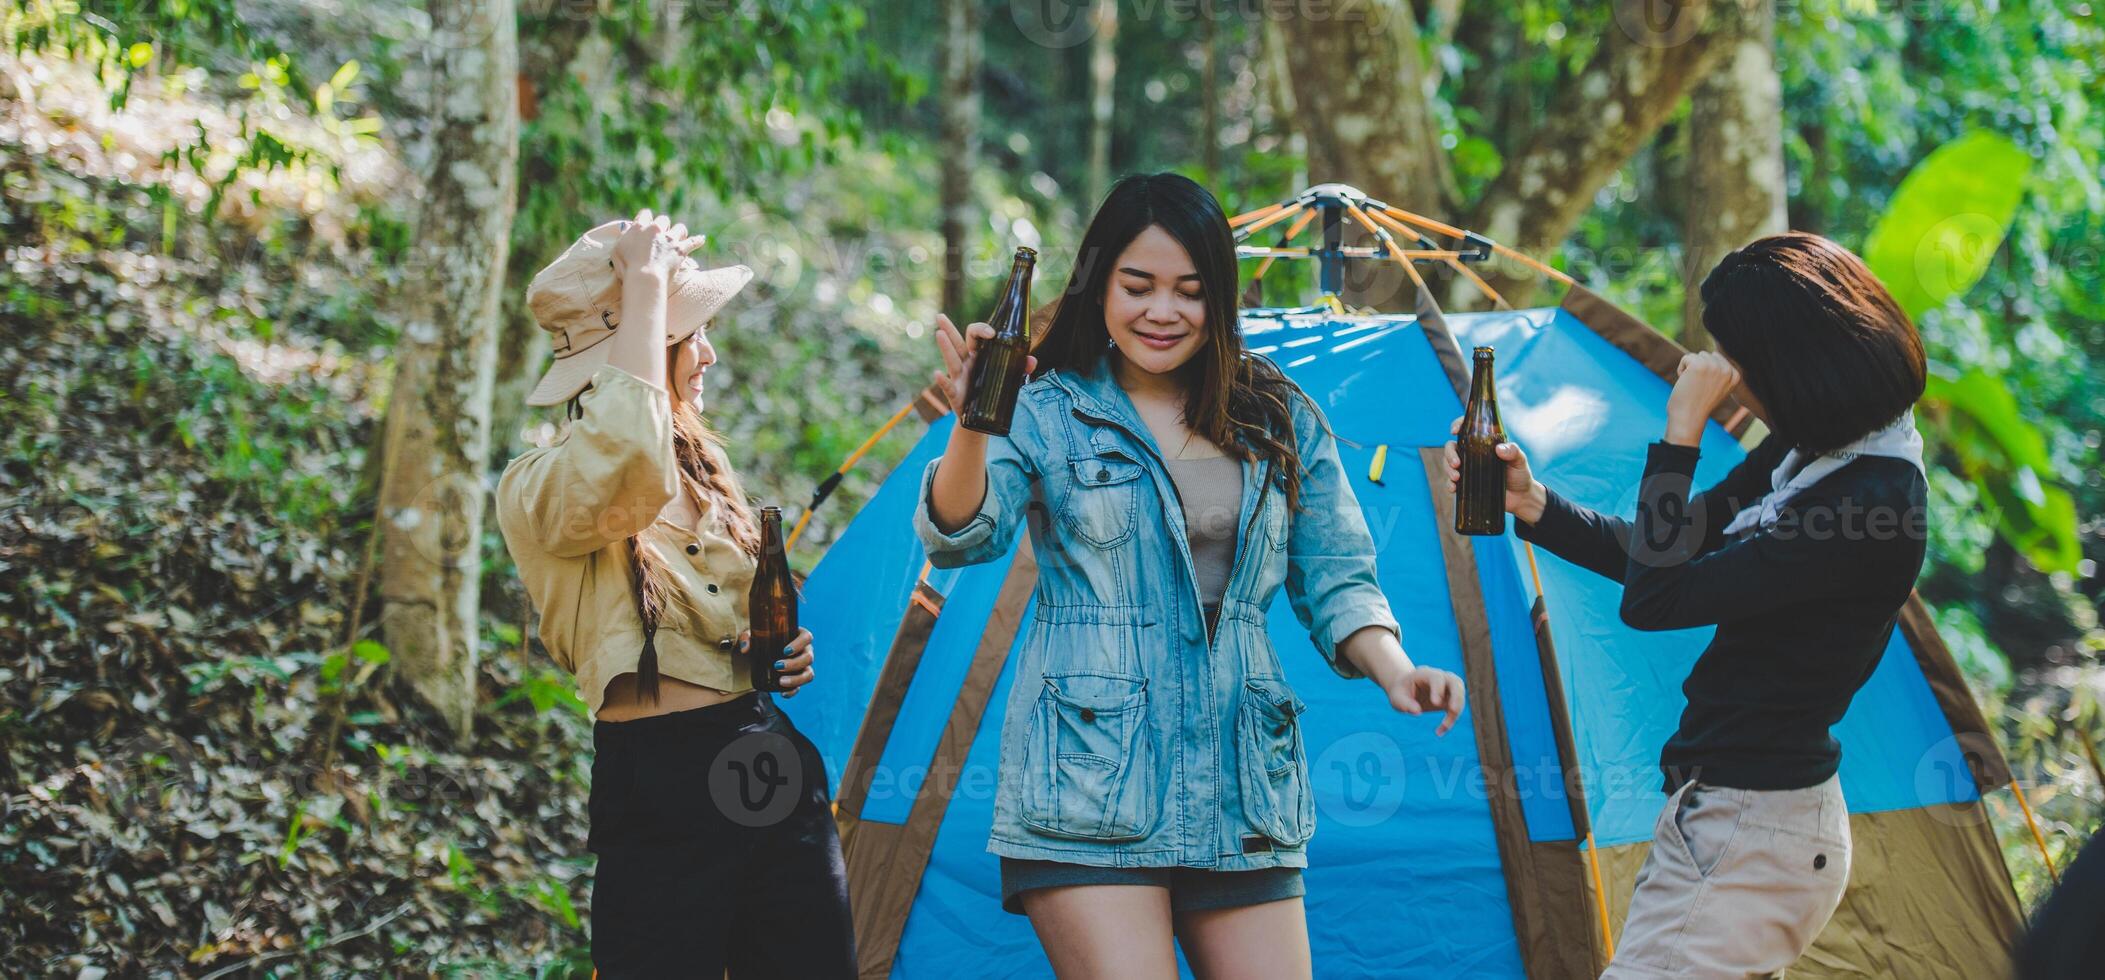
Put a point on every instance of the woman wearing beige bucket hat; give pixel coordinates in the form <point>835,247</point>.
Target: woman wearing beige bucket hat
<point>709,811</point>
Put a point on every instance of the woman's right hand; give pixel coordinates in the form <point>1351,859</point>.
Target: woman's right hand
<point>650,249</point>
<point>1525,496</point>
<point>958,350</point>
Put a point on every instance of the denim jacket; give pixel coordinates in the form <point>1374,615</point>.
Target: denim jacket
<point>1129,741</point>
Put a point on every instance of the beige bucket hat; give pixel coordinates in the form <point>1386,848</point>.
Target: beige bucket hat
<point>577,299</point>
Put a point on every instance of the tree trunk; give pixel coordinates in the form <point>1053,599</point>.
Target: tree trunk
<point>1735,164</point>
<point>550,38</point>
<point>1209,96</point>
<point>1103,71</point>
<point>438,422</point>
<point>1643,68</point>
<point>1359,86</point>
<point>961,59</point>
<point>1277,71</point>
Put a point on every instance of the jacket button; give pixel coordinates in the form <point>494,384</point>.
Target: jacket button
<point>1088,715</point>
<point>727,643</point>
<point>712,588</point>
<point>1819,861</point>
<point>694,549</point>
<point>1103,474</point>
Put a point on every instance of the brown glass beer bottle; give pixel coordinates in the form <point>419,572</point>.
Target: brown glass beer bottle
<point>996,372</point>
<point>1480,495</point>
<point>771,605</point>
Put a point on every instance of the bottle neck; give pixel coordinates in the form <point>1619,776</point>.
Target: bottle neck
<point>1012,315</point>
<point>1480,389</point>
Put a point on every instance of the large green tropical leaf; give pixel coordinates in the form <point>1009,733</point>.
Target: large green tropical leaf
<point>1978,420</point>
<point>1935,240</point>
<point>1947,219</point>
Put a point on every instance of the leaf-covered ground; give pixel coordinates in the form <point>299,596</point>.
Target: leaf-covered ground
<point>181,528</point>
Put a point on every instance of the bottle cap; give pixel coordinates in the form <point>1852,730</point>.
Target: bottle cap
<point>1484,350</point>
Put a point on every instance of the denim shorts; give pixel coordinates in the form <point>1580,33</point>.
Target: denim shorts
<point>1190,889</point>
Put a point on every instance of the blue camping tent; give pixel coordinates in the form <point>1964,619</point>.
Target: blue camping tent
<point>1434,857</point>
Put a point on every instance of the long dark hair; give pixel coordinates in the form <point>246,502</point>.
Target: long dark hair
<point>1236,399</point>
<point>705,473</point>
<point>1818,339</point>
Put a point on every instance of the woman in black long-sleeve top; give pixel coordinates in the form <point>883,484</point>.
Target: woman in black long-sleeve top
<point>1802,557</point>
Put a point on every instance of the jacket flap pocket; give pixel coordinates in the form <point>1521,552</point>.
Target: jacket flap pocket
<point>1103,692</point>
<point>1103,471</point>
<point>1274,696</point>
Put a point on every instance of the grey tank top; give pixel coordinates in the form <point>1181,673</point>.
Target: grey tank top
<point>1212,490</point>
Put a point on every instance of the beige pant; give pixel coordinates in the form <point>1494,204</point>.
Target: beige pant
<point>1738,884</point>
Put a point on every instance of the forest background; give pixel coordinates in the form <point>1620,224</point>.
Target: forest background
<point>269,697</point>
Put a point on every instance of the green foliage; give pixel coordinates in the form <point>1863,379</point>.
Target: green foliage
<point>1978,421</point>
<point>1947,219</point>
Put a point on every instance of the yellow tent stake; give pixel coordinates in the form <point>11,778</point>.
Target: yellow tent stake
<point>2017,789</point>
<point>1381,456</point>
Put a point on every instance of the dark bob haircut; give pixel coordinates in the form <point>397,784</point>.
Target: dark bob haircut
<point>1817,338</point>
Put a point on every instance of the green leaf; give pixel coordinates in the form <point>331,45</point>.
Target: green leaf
<point>344,76</point>
<point>370,651</point>
<point>1947,220</point>
<point>2005,455</point>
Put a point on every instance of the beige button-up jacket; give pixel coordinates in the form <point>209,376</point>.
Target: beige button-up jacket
<point>567,510</point>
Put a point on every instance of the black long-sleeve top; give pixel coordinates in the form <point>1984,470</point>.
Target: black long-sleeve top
<point>1803,609</point>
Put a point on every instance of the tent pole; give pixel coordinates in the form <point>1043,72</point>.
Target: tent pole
<point>1467,272</point>
<point>1292,231</point>
<point>826,488</point>
<point>1274,218</point>
<point>1593,848</point>
<point>2017,789</point>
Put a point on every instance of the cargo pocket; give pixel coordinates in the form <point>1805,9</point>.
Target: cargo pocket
<point>1101,498</point>
<point>1089,764</point>
<point>1274,768</point>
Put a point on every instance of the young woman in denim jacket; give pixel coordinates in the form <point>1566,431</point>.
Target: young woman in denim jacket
<point>1153,780</point>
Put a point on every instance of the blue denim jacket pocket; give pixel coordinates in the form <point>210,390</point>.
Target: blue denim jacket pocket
<point>1277,798</point>
<point>1089,765</point>
<point>1102,498</point>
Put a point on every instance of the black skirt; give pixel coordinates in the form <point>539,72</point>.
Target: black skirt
<point>717,848</point>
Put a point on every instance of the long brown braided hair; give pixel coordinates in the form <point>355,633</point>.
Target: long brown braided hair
<point>705,473</point>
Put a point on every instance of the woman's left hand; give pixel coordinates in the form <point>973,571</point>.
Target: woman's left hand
<point>795,665</point>
<point>1706,378</point>
<point>1423,689</point>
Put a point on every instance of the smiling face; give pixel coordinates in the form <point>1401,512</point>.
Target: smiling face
<point>1154,308</point>
<point>686,362</point>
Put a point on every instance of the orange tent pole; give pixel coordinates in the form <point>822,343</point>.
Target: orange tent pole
<point>848,464</point>
<point>1453,259</point>
<point>2037,838</point>
<point>1292,230</point>
<point>1450,230</point>
<point>1249,216</point>
<point>1272,219</point>
<point>1389,240</point>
